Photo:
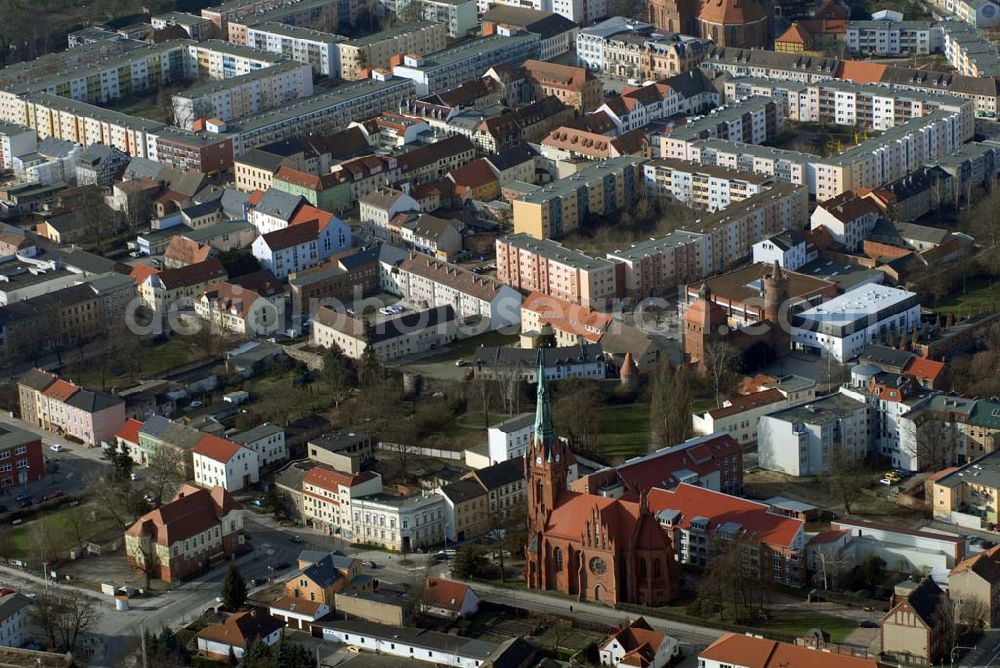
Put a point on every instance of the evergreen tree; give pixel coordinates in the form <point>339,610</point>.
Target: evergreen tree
<point>121,464</point>
<point>369,366</point>
<point>258,655</point>
<point>234,588</point>
<point>233,661</point>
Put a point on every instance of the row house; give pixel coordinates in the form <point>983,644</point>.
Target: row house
<point>57,405</point>
<point>434,161</point>
<point>267,440</point>
<point>229,307</point>
<point>403,523</point>
<point>637,107</point>
<point>573,86</point>
<point>327,496</point>
<point>627,48</point>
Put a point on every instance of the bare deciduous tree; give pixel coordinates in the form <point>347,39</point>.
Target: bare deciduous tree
<point>165,471</point>
<point>720,360</point>
<point>670,404</point>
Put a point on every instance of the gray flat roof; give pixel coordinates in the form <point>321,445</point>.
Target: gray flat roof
<point>443,642</point>
<point>554,250</point>
<point>297,32</point>
<point>391,33</point>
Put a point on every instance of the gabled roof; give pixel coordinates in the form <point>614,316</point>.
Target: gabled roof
<point>293,235</point>
<point>500,474</point>
<point>431,153</point>
<point>242,628</point>
<point>278,204</point>
<point>37,379</point>
<point>93,402</point>
<point>747,402</point>
<point>553,74</point>
<point>191,512</point>
<point>639,641</point>
<point>331,480</point>
<point>753,652</point>
<point>129,432</point>
<point>192,274</point>
<point>448,594</point>
<point>61,390</point>
<point>476,174</point>
<point>216,448</point>
<point>795,34</point>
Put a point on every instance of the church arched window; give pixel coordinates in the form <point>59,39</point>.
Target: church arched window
<point>557,559</point>
<point>656,568</point>
<point>642,567</point>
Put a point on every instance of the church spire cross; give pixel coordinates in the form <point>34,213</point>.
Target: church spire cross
<point>544,430</point>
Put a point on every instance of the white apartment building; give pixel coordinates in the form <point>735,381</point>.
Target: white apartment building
<point>403,523</point>
<point>243,95</point>
<point>216,59</point>
<point>14,619</point>
<point>799,441</point>
<point>220,462</point>
<point>969,51</point>
<point>455,65</point>
<point>844,326</point>
<point>893,38</point>
<point>327,497</point>
<point>753,120</point>
<point>701,186</point>
<point>739,416</point>
<point>422,278</point>
<point>460,16</point>
<point>848,218</point>
<point>510,438</point>
<point>267,440</point>
<point>789,249</point>
<point>855,104</point>
<point>15,140</point>
<point>378,49</point>
<point>317,49</point>
<point>411,333</point>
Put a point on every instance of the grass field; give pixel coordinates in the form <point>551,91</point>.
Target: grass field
<point>466,348</point>
<point>979,292</point>
<point>624,431</point>
<point>61,527</point>
<point>156,359</point>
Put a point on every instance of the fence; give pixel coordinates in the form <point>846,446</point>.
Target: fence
<point>437,453</point>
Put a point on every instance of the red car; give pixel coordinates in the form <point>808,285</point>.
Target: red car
<point>54,494</point>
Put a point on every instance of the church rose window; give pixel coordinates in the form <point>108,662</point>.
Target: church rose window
<point>597,566</point>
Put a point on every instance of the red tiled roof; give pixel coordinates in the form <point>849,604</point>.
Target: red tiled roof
<point>751,652</point>
<point>567,316</point>
<point>748,402</point>
<point>795,34</point>
<point>187,251</point>
<point>639,641</point>
<point>242,628</point>
<point>60,390</point>
<point>306,213</point>
<point>141,272</point>
<point>473,175</point>
<point>330,479</point>
<point>923,367</point>
<point>731,12</point>
<point>700,455</point>
<point>447,594</point>
<point>129,432</point>
<point>215,448</point>
<point>301,606</point>
<point>828,537</point>
<point>255,197</point>
<point>232,298</point>
<point>692,501</point>
<point>191,512</point>
<point>861,71</point>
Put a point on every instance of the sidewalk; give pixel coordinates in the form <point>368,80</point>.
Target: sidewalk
<point>25,576</point>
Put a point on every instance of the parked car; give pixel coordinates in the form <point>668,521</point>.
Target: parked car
<point>461,362</point>
<point>23,503</point>
<point>296,538</point>
<point>887,482</point>
<point>22,497</point>
<point>55,494</point>
<point>134,475</point>
<point>56,447</point>
<point>369,564</point>
<point>256,582</point>
<point>867,624</point>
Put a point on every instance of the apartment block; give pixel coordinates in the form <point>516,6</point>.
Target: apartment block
<point>701,186</point>
<point>196,27</point>
<point>530,264</point>
<point>320,113</point>
<point>403,523</point>
<point>304,45</point>
<point>216,59</point>
<point>752,120</point>
<point>234,98</point>
<point>893,38</point>
<point>327,496</point>
<point>800,441</point>
<point>459,16</point>
<point>969,51</point>
<point>321,14</point>
<point>559,207</point>
<point>455,65</point>
<point>377,50</point>
<point>658,266</point>
<point>855,104</point>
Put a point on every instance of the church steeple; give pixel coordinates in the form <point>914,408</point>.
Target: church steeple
<point>545,432</point>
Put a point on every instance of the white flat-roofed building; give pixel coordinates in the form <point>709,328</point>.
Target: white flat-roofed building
<point>455,65</point>
<point>701,186</point>
<point>510,438</point>
<point>304,45</point>
<point>402,523</point>
<point>799,441</point>
<point>893,38</point>
<point>846,325</point>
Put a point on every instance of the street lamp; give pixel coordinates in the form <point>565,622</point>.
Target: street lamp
<point>952,653</point>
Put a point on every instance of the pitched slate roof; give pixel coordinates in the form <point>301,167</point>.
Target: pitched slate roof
<point>191,512</point>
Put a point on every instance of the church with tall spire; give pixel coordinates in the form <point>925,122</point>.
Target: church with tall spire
<point>593,547</point>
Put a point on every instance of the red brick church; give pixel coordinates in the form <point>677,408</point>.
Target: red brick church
<point>593,547</point>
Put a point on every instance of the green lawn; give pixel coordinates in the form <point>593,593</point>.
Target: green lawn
<point>156,358</point>
<point>978,293</point>
<point>798,623</point>
<point>466,348</point>
<point>61,528</point>
<point>624,431</point>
